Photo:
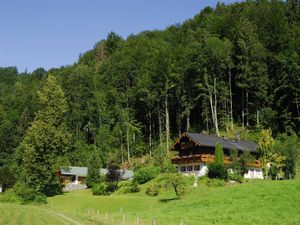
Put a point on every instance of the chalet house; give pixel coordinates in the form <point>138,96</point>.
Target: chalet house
<point>77,175</point>
<point>194,151</point>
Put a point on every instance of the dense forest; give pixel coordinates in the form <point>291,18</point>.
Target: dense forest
<point>231,70</point>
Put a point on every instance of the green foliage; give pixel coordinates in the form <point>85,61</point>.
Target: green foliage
<point>271,160</point>
<point>145,174</point>
<point>7,178</point>
<point>217,171</point>
<point>43,149</point>
<point>128,187</point>
<point>235,176</point>
<point>176,182</point>
<point>219,154</point>
<point>153,189</point>
<point>215,182</point>
<point>101,189</point>
<point>93,174</point>
<point>9,196</point>
<point>237,64</point>
<point>289,146</point>
<point>28,195</point>
<point>113,175</point>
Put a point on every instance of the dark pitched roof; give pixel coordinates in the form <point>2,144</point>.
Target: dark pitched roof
<point>211,141</point>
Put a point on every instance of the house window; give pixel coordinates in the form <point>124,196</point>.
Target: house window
<point>183,168</point>
<point>197,167</point>
<point>190,168</point>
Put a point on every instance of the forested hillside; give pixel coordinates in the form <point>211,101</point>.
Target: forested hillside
<point>234,66</point>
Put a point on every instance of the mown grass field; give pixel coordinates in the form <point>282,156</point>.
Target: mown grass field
<point>261,202</point>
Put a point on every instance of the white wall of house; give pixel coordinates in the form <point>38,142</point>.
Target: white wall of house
<point>254,173</point>
<point>200,169</point>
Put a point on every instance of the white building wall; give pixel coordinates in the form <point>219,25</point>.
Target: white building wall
<point>253,173</point>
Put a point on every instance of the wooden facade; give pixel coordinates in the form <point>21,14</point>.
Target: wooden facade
<point>198,150</point>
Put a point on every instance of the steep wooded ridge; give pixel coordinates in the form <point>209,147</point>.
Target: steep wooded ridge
<point>234,65</point>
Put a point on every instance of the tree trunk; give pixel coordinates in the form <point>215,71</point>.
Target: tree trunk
<point>159,128</point>
<point>127,140</point>
<point>243,113</point>
<point>206,117</point>
<point>121,147</point>
<point>257,118</point>
<point>150,132</point>
<point>212,94</point>
<point>167,119</point>
<point>188,120</point>
<point>230,93</point>
<point>179,122</point>
<point>247,108</point>
<point>215,110</point>
<point>297,104</point>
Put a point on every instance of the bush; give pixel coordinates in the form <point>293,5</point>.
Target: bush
<point>176,182</point>
<point>28,195</point>
<point>101,189</point>
<point>9,196</point>
<point>218,171</point>
<point>134,187</point>
<point>145,174</point>
<point>7,179</point>
<point>236,177</point>
<point>153,189</point>
<point>128,187</point>
<point>215,182</point>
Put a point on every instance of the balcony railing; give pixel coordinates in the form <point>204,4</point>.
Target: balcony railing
<point>207,158</point>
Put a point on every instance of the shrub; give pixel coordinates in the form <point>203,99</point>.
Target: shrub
<point>176,182</point>
<point>128,187</point>
<point>7,179</point>
<point>93,173</point>
<point>236,177</point>
<point>134,187</point>
<point>152,189</point>
<point>9,196</point>
<point>101,189</point>
<point>27,194</point>
<point>215,182</point>
<point>216,170</point>
<point>145,174</point>
<point>113,176</point>
<point>219,154</point>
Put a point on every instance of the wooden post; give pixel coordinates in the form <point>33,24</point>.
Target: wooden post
<point>153,221</point>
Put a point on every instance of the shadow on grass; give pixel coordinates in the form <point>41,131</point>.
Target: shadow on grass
<point>165,200</point>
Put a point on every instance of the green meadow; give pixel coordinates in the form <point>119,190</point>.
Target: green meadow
<point>259,202</point>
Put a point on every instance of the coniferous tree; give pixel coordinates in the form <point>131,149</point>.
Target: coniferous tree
<point>44,147</point>
<point>219,154</point>
<point>93,173</point>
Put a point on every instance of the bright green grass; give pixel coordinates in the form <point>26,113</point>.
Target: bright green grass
<point>261,202</point>
<point>13,214</point>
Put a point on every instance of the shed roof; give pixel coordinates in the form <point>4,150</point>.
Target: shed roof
<point>211,141</point>
<point>82,172</point>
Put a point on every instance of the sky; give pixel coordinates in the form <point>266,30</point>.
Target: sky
<point>52,33</point>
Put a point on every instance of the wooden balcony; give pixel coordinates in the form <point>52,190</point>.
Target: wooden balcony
<point>207,158</point>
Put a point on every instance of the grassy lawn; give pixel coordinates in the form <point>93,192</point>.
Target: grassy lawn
<point>24,214</point>
<point>260,202</point>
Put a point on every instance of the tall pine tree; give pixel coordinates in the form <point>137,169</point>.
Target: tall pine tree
<point>43,149</point>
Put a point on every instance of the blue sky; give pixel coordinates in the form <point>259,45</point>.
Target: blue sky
<point>52,33</point>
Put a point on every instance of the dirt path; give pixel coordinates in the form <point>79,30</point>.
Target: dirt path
<point>63,217</point>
